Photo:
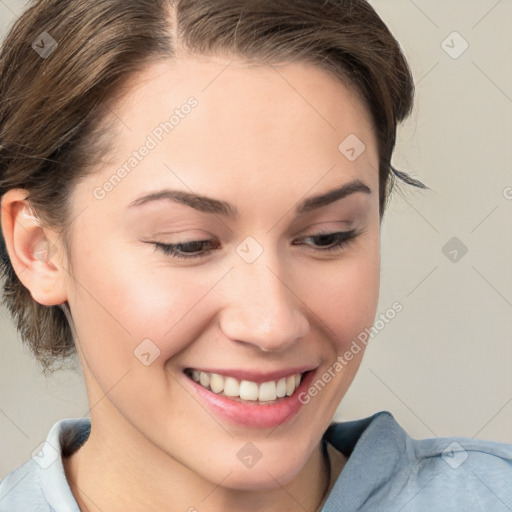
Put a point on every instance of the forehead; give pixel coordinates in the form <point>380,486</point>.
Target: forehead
<point>249,126</point>
<point>299,89</point>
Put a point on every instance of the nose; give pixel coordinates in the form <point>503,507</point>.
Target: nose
<point>261,308</point>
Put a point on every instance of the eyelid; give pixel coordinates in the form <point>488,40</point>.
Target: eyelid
<point>331,227</point>
<point>342,239</point>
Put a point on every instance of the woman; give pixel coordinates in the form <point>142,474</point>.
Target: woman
<point>192,195</point>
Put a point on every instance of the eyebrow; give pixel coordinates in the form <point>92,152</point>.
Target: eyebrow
<point>209,205</point>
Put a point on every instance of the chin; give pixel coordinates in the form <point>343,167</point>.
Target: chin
<point>263,475</point>
<point>265,479</point>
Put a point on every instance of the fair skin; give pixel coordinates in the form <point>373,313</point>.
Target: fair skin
<point>263,140</point>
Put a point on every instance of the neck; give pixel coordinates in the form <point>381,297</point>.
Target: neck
<point>118,469</point>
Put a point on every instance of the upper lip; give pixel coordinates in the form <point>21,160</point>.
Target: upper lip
<point>255,375</point>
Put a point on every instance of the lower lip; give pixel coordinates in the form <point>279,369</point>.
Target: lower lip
<point>256,415</point>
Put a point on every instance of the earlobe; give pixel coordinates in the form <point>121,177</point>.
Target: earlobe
<point>35,258</point>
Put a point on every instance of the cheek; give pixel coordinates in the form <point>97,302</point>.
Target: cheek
<point>344,298</point>
<point>344,294</point>
<point>120,304</point>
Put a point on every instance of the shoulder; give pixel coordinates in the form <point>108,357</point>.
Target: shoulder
<point>21,490</point>
<point>40,483</point>
<point>460,470</point>
<point>389,470</point>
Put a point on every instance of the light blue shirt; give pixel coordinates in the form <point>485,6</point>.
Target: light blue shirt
<point>386,471</point>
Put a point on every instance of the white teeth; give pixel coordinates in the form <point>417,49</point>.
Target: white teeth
<point>281,388</point>
<point>216,383</point>
<point>204,379</point>
<point>231,387</point>
<point>290,385</point>
<point>267,391</point>
<point>247,390</point>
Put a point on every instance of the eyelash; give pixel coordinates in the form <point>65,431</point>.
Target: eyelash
<point>342,240</point>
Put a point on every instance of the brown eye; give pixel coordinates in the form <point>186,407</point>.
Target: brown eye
<point>332,241</point>
<point>186,250</point>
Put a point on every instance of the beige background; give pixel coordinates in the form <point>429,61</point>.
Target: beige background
<point>443,365</point>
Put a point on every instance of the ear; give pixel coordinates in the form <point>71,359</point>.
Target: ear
<point>35,252</point>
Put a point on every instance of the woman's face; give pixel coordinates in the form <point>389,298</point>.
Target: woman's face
<point>259,299</point>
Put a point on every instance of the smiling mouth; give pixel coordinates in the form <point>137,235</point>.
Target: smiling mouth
<point>245,390</point>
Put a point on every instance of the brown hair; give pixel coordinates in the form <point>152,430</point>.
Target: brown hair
<point>53,107</point>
